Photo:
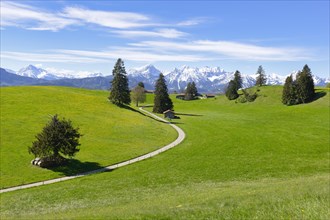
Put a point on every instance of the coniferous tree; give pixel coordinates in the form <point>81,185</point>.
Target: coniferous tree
<point>305,85</point>
<point>238,80</point>
<point>162,101</point>
<point>261,78</point>
<point>191,91</point>
<point>231,91</point>
<point>57,138</point>
<point>289,94</point>
<point>119,94</point>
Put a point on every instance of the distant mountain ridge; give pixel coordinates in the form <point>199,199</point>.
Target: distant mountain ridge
<point>207,79</point>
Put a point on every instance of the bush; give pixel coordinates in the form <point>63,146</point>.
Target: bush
<point>247,97</point>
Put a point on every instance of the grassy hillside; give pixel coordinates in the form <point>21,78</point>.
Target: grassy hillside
<point>110,134</point>
<point>259,160</point>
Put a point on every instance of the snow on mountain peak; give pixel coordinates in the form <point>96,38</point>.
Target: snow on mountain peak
<point>52,73</point>
<point>207,79</point>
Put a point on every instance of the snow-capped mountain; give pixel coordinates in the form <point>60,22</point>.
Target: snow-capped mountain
<point>147,74</point>
<point>35,72</point>
<point>52,74</point>
<point>207,79</point>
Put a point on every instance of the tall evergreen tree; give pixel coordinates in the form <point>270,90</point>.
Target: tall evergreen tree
<point>305,85</point>
<point>231,91</point>
<point>162,101</point>
<point>119,93</point>
<point>289,94</point>
<point>261,78</point>
<point>238,80</point>
<point>191,91</point>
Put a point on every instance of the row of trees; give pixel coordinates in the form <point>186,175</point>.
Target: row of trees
<point>120,94</point>
<point>300,90</point>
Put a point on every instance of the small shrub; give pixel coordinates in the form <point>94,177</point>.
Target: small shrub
<point>247,97</point>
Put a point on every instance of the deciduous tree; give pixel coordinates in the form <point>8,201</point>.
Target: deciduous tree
<point>138,95</point>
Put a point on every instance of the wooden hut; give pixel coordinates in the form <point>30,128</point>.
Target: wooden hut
<point>169,114</point>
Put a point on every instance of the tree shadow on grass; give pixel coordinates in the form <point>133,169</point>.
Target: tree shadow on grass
<point>73,167</point>
<point>319,94</point>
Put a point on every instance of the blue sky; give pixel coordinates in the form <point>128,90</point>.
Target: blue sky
<point>282,36</point>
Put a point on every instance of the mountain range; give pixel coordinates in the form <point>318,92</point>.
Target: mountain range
<point>207,79</point>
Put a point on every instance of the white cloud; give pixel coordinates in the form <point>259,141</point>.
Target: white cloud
<point>168,51</point>
<point>121,20</point>
<point>228,49</point>
<point>20,15</point>
<point>191,22</point>
<point>32,18</point>
<point>165,33</point>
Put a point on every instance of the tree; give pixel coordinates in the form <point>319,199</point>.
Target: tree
<point>57,138</point>
<point>305,85</point>
<point>231,91</point>
<point>141,84</point>
<point>191,91</point>
<point>162,101</point>
<point>261,78</point>
<point>119,94</point>
<point>138,95</point>
<point>238,80</point>
<point>299,91</point>
<point>289,94</point>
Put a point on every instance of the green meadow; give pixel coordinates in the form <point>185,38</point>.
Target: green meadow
<point>110,134</point>
<point>259,160</point>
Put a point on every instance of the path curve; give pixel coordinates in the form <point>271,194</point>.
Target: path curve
<point>180,138</point>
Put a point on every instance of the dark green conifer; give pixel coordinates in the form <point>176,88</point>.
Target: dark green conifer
<point>305,85</point>
<point>191,91</point>
<point>289,94</point>
<point>231,91</point>
<point>162,101</point>
<point>261,78</point>
<point>238,80</point>
<point>119,93</point>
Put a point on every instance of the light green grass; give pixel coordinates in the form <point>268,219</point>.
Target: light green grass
<point>110,134</point>
<point>259,160</point>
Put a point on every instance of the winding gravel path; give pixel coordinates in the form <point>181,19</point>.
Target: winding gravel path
<point>181,136</point>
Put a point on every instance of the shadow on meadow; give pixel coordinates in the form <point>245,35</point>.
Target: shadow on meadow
<point>319,93</point>
<point>73,167</point>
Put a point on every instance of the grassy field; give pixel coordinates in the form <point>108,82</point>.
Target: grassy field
<point>259,160</point>
<point>25,110</point>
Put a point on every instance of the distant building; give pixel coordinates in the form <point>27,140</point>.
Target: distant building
<point>169,114</point>
<point>180,96</point>
<point>210,95</point>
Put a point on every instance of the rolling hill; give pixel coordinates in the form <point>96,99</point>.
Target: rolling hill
<point>259,160</point>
